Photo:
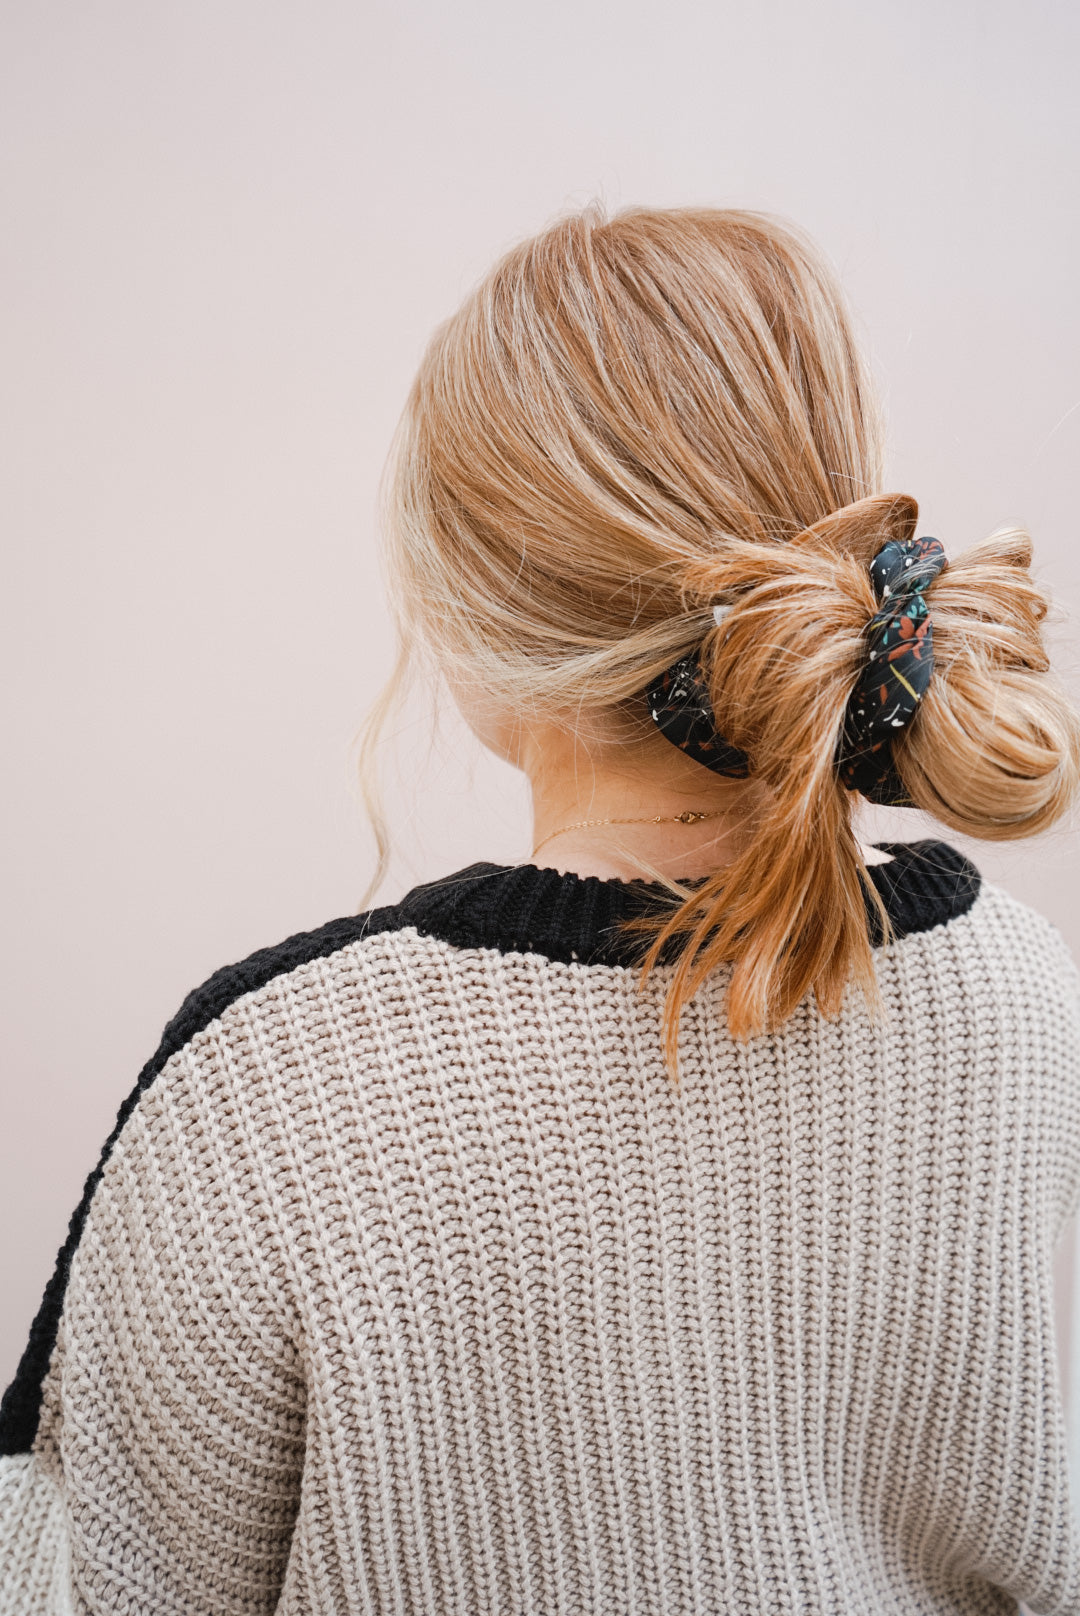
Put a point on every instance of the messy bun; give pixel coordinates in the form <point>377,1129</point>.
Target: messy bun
<point>633,418</point>
<point>993,751</point>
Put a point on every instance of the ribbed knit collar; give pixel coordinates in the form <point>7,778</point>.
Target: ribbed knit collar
<point>569,917</point>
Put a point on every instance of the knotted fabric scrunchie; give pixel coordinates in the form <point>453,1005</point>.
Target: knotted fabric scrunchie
<point>899,662</point>
<point>892,683</point>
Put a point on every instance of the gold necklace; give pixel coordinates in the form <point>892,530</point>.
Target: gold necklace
<point>689,816</point>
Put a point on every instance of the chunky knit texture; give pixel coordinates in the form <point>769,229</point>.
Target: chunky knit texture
<point>408,1283</point>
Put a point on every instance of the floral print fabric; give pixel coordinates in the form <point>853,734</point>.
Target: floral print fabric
<point>892,683</point>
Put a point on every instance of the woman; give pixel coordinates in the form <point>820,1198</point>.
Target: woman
<point>664,1224</point>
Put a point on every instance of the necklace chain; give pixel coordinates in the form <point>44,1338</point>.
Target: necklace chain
<point>689,816</point>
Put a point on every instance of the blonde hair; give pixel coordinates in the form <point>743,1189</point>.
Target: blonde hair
<point>631,417</point>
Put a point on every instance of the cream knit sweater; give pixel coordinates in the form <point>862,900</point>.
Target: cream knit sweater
<point>409,1284</point>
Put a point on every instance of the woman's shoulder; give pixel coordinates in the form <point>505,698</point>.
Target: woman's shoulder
<point>1013,940</point>
<point>560,916</point>
<point>967,941</point>
<point>359,966</point>
<point>219,1055</point>
<point>926,887</point>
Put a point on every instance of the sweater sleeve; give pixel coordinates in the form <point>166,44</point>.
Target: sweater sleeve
<point>173,1413</point>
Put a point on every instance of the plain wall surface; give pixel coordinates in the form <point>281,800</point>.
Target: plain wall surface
<point>228,230</point>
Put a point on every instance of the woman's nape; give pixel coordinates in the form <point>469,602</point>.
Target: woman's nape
<point>615,765</point>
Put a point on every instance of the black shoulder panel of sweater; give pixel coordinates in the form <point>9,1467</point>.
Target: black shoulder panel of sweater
<point>518,909</point>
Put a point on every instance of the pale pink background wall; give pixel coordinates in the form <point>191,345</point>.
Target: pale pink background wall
<point>228,228</point>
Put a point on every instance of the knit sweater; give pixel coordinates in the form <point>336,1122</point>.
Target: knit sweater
<point>409,1283</point>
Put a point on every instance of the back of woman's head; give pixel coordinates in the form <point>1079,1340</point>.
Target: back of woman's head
<point>633,418</point>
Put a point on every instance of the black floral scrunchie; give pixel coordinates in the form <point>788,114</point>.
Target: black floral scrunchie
<point>886,697</point>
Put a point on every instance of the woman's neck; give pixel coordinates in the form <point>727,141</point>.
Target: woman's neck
<point>631,776</point>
